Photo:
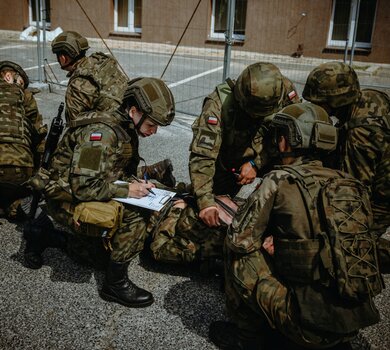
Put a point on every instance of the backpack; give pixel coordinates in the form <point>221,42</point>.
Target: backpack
<point>348,250</point>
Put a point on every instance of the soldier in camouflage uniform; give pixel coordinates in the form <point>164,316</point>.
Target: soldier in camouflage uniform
<point>21,135</point>
<point>226,153</point>
<point>284,285</point>
<point>95,82</point>
<point>97,150</point>
<point>364,123</point>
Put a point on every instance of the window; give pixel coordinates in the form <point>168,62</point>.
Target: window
<point>219,19</point>
<point>343,23</point>
<point>33,12</point>
<point>128,15</point>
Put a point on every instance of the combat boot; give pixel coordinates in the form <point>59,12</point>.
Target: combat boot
<point>161,171</point>
<point>118,288</point>
<point>228,336</point>
<point>39,235</point>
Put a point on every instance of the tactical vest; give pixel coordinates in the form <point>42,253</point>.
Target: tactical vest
<point>238,131</point>
<point>14,127</point>
<point>103,71</point>
<point>127,157</point>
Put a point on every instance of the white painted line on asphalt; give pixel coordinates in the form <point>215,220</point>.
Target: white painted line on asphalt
<point>10,47</point>
<point>195,77</point>
<point>35,67</point>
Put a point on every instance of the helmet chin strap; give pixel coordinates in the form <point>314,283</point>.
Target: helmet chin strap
<point>140,122</point>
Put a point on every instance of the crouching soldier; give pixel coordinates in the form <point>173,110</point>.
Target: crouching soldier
<point>98,150</point>
<point>21,136</point>
<point>316,284</point>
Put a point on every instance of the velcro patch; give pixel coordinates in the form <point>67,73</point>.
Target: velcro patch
<point>206,139</point>
<point>292,94</point>
<point>95,136</point>
<point>212,120</point>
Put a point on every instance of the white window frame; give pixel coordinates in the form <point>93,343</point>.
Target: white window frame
<point>30,15</point>
<point>351,29</point>
<point>130,19</point>
<point>214,35</point>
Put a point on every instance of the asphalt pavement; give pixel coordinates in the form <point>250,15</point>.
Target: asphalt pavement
<point>58,306</point>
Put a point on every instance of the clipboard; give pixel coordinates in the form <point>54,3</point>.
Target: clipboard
<point>152,202</point>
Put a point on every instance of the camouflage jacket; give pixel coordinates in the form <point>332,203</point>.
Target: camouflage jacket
<point>366,146</point>
<point>91,157</point>
<point>224,138</point>
<point>97,84</point>
<point>21,131</point>
<point>277,208</point>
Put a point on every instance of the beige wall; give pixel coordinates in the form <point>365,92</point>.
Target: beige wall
<point>272,26</point>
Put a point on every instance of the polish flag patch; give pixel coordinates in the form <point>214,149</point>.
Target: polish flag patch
<point>212,120</point>
<point>95,136</point>
<point>292,94</point>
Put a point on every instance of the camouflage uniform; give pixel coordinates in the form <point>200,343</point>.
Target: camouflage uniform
<point>95,83</point>
<point>97,150</point>
<point>261,289</point>
<point>225,137</point>
<point>364,115</point>
<point>21,142</point>
<point>366,151</point>
<point>91,156</point>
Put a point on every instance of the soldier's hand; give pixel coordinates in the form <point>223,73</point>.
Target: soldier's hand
<point>139,189</point>
<point>247,174</point>
<point>210,216</point>
<point>268,245</point>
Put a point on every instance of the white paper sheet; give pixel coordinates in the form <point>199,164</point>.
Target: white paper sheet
<point>153,202</point>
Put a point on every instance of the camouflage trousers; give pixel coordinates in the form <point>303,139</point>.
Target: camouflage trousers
<point>85,241</point>
<point>179,236</point>
<point>254,296</point>
<point>11,187</point>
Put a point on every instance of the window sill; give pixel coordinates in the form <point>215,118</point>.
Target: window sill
<point>337,49</point>
<point>125,35</point>
<point>222,41</point>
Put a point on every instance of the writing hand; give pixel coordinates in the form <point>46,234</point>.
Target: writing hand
<point>139,189</point>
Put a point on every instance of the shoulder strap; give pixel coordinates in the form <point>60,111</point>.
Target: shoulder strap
<point>307,186</point>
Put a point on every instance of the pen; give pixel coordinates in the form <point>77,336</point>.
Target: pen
<point>149,189</point>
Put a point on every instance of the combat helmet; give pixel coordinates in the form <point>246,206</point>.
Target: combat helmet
<point>18,69</point>
<point>259,89</point>
<point>333,83</point>
<point>307,127</point>
<point>154,99</point>
<point>72,43</point>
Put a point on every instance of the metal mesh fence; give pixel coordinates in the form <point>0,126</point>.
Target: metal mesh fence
<point>143,35</point>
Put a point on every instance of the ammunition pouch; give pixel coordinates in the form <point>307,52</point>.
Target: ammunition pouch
<point>97,219</point>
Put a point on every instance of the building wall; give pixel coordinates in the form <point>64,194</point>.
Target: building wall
<point>14,14</point>
<point>272,26</point>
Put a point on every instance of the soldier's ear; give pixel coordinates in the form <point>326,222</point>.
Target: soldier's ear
<point>9,77</point>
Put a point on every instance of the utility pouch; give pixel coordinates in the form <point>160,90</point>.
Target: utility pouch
<point>102,219</point>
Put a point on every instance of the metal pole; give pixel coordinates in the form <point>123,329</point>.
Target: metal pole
<point>228,39</point>
<point>348,32</point>
<point>38,41</point>
<point>354,33</point>
<point>346,51</point>
<point>43,11</point>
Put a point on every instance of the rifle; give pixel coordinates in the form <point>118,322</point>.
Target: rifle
<point>56,128</point>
